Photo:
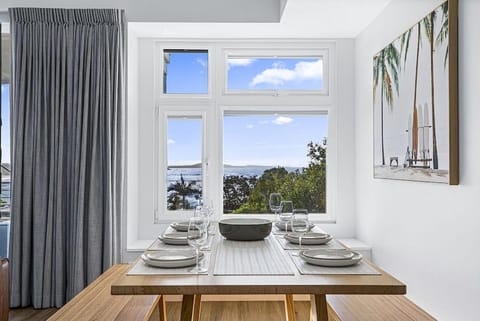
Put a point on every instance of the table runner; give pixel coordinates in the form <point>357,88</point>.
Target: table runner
<point>358,269</point>
<point>251,258</point>
<point>140,268</point>
<point>286,245</point>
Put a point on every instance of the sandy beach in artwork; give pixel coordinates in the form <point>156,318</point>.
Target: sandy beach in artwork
<point>412,174</point>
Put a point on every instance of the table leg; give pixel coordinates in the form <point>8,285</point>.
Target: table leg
<point>318,310</point>
<point>162,309</point>
<point>196,307</point>
<point>187,308</point>
<point>289,307</point>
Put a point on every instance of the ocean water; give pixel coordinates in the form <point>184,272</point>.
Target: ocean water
<point>191,174</point>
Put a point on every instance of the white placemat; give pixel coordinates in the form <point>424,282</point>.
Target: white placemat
<point>286,245</point>
<point>140,268</point>
<point>251,258</point>
<point>360,268</point>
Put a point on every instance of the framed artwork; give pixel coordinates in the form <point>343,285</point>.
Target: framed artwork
<point>415,91</point>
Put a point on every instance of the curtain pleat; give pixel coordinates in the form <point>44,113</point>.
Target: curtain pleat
<point>68,128</point>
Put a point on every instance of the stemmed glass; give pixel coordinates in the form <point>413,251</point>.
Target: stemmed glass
<point>286,213</point>
<point>197,236</point>
<point>300,225</point>
<point>206,211</point>
<point>275,203</point>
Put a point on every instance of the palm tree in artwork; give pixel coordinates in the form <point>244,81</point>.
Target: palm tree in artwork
<point>443,33</point>
<point>385,73</point>
<point>183,189</point>
<point>429,26</point>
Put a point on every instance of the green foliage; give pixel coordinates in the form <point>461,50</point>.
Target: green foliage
<point>178,193</point>
<point>236,191</point>
<point>306,188</point>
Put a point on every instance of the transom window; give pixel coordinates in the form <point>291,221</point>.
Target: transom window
<point>185,71</point>
<point>275,73</point>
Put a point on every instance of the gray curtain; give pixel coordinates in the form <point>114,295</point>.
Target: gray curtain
<point>68,128</point>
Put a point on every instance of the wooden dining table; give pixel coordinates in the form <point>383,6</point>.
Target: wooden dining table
<point>192,286</point>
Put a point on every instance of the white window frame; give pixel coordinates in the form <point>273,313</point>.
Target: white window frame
<point>219,101</point>
<point>161,161</point>
<point>331,154</point>
<point>160,47</point>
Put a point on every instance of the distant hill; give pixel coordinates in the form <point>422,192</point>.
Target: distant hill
<point>199,165</point>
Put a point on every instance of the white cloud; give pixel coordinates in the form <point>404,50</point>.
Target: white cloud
<point>279,75</point>
<point>170,141</point>
<point>241,62</point>
<point>282,120</point>
<point>202,62</point>
<point>249,126</point>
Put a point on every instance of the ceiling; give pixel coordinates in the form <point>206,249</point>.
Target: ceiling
<point>234,18</point>
<point>300,19</point>
<point>172,11</point>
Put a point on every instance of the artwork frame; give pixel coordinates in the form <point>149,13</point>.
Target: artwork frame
<point>419,141</point>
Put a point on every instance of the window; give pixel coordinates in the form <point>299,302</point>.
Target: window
<point>5,122</point>
<point>265,73</point>
<point>268,153</point>
<point>239,143</point>
<point>185,170</point>
<point>185,71</point>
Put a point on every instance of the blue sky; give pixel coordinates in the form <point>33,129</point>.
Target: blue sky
<point>275,74</point>
<point>270,140</point>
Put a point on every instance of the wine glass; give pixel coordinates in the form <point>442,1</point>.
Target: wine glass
<point>206,211</point>
<point>300,225</point>
<point>286,213</point>
<point>275,203</point>
<point>197,236</point>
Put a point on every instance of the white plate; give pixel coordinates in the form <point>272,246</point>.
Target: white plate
<point>310,238</point>
<point>170,255</point>
<point>170,264</point>
<point>174,238</point>
<point>357,257</point>
<point>330,254</point>
<point>288,228</point>
<point>180,226</point>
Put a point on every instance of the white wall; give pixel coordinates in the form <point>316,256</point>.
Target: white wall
<point>140,214</point>
<point>425,234</point>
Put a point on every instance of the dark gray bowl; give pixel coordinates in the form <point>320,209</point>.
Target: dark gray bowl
<point>245,229</point>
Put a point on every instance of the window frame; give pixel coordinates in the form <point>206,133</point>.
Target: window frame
<point>161,213</point>
<point>328,216</point>
<point>160,47</point>
<point>218,102</point>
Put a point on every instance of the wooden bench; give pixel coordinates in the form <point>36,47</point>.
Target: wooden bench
<point>375,308</point>
<point>96,302</point>
<point>366,308</point>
